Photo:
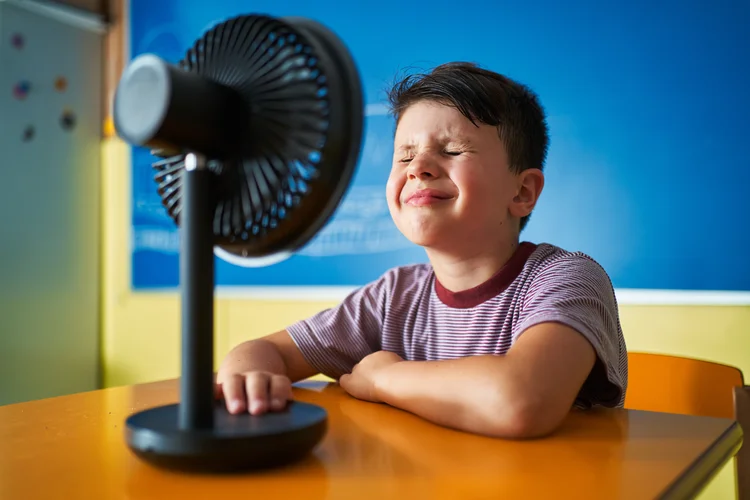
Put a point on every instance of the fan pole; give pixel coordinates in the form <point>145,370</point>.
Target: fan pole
<point>197,284</point>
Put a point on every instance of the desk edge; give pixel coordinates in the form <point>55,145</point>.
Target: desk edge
<point>699,473</point>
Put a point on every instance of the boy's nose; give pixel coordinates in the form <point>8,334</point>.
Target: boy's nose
<point>421,168</point>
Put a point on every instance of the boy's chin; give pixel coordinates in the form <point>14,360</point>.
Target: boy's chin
<point>427,239</point>
<point>429,232</point>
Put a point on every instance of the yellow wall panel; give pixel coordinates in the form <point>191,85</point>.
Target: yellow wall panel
<point>714,333</point>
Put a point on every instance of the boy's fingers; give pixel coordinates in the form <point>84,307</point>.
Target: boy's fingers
<point>218,386</point>
<point>257,387</point>
<point>234,393</point>
<point>281,391</point>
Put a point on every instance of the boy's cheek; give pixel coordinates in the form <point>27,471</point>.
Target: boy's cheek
<point>393,191</point>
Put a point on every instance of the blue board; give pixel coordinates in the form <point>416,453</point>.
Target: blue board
<point>648,169</point>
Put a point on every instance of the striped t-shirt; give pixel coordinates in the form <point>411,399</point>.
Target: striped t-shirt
<point>407,311</point>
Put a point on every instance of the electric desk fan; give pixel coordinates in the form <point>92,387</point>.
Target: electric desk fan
<point>258,132</point>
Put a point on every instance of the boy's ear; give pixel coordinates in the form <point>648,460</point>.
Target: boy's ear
<point>530,185</point>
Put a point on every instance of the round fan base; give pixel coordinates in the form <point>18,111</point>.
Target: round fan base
<point>235,443</point>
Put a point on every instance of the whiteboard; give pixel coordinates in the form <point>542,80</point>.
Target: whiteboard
<point>647,171</point>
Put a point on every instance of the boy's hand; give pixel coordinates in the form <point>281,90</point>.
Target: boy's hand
<point>256,376</point>
<point>361,382</point>
<point>254,391</point>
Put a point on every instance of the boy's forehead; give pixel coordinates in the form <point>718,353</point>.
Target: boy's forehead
<point>441,126</point>
<point>444,115</point>
<point>426,131</point>
<point>412,141</point>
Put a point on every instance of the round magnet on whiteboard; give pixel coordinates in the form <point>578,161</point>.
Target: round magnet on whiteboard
<point>68,120</point>
<point>21,89</point>
<point>28,133</point>
<point>17,41</point>
<point>61,83</point>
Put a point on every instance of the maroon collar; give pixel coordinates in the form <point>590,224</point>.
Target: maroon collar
<point>490,288</point>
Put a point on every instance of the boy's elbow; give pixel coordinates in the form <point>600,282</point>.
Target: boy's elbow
<point>522,418</point>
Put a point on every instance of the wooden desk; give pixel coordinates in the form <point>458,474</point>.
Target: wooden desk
<point>72,447</point>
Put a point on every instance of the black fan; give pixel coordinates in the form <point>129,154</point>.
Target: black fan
<point>259,130</point>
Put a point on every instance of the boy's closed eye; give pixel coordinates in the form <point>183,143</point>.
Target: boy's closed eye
<point>451,152</point>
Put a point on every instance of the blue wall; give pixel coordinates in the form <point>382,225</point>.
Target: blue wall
<point>647,102</point>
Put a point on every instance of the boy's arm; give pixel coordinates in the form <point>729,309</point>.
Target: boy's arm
<point>524,393</point>
<point>256,375</point>
<point>276,353</point>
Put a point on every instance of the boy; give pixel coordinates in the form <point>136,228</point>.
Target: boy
<point>493,337</point>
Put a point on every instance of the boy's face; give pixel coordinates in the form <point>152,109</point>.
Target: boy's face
<point>450,186</point>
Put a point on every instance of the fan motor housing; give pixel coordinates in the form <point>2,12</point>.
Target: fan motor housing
<point>158,111</point>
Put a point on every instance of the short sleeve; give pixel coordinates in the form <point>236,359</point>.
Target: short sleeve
<point>576,291</point>
<point>336,339</point>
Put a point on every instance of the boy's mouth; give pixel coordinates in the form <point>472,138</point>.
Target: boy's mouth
<point>424,197</point>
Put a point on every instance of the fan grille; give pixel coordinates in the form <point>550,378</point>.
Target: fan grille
<point>278,73</point>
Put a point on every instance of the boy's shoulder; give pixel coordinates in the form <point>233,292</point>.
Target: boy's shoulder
<point>551,263</point>
<point>407,276</point>
<point>548,255</point>
<point>407,283</point>
<point>409,270</point>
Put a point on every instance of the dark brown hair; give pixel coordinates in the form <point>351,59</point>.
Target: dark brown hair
<point>487,97</point>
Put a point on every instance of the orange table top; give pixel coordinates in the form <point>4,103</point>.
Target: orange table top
<point>73,447</point>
